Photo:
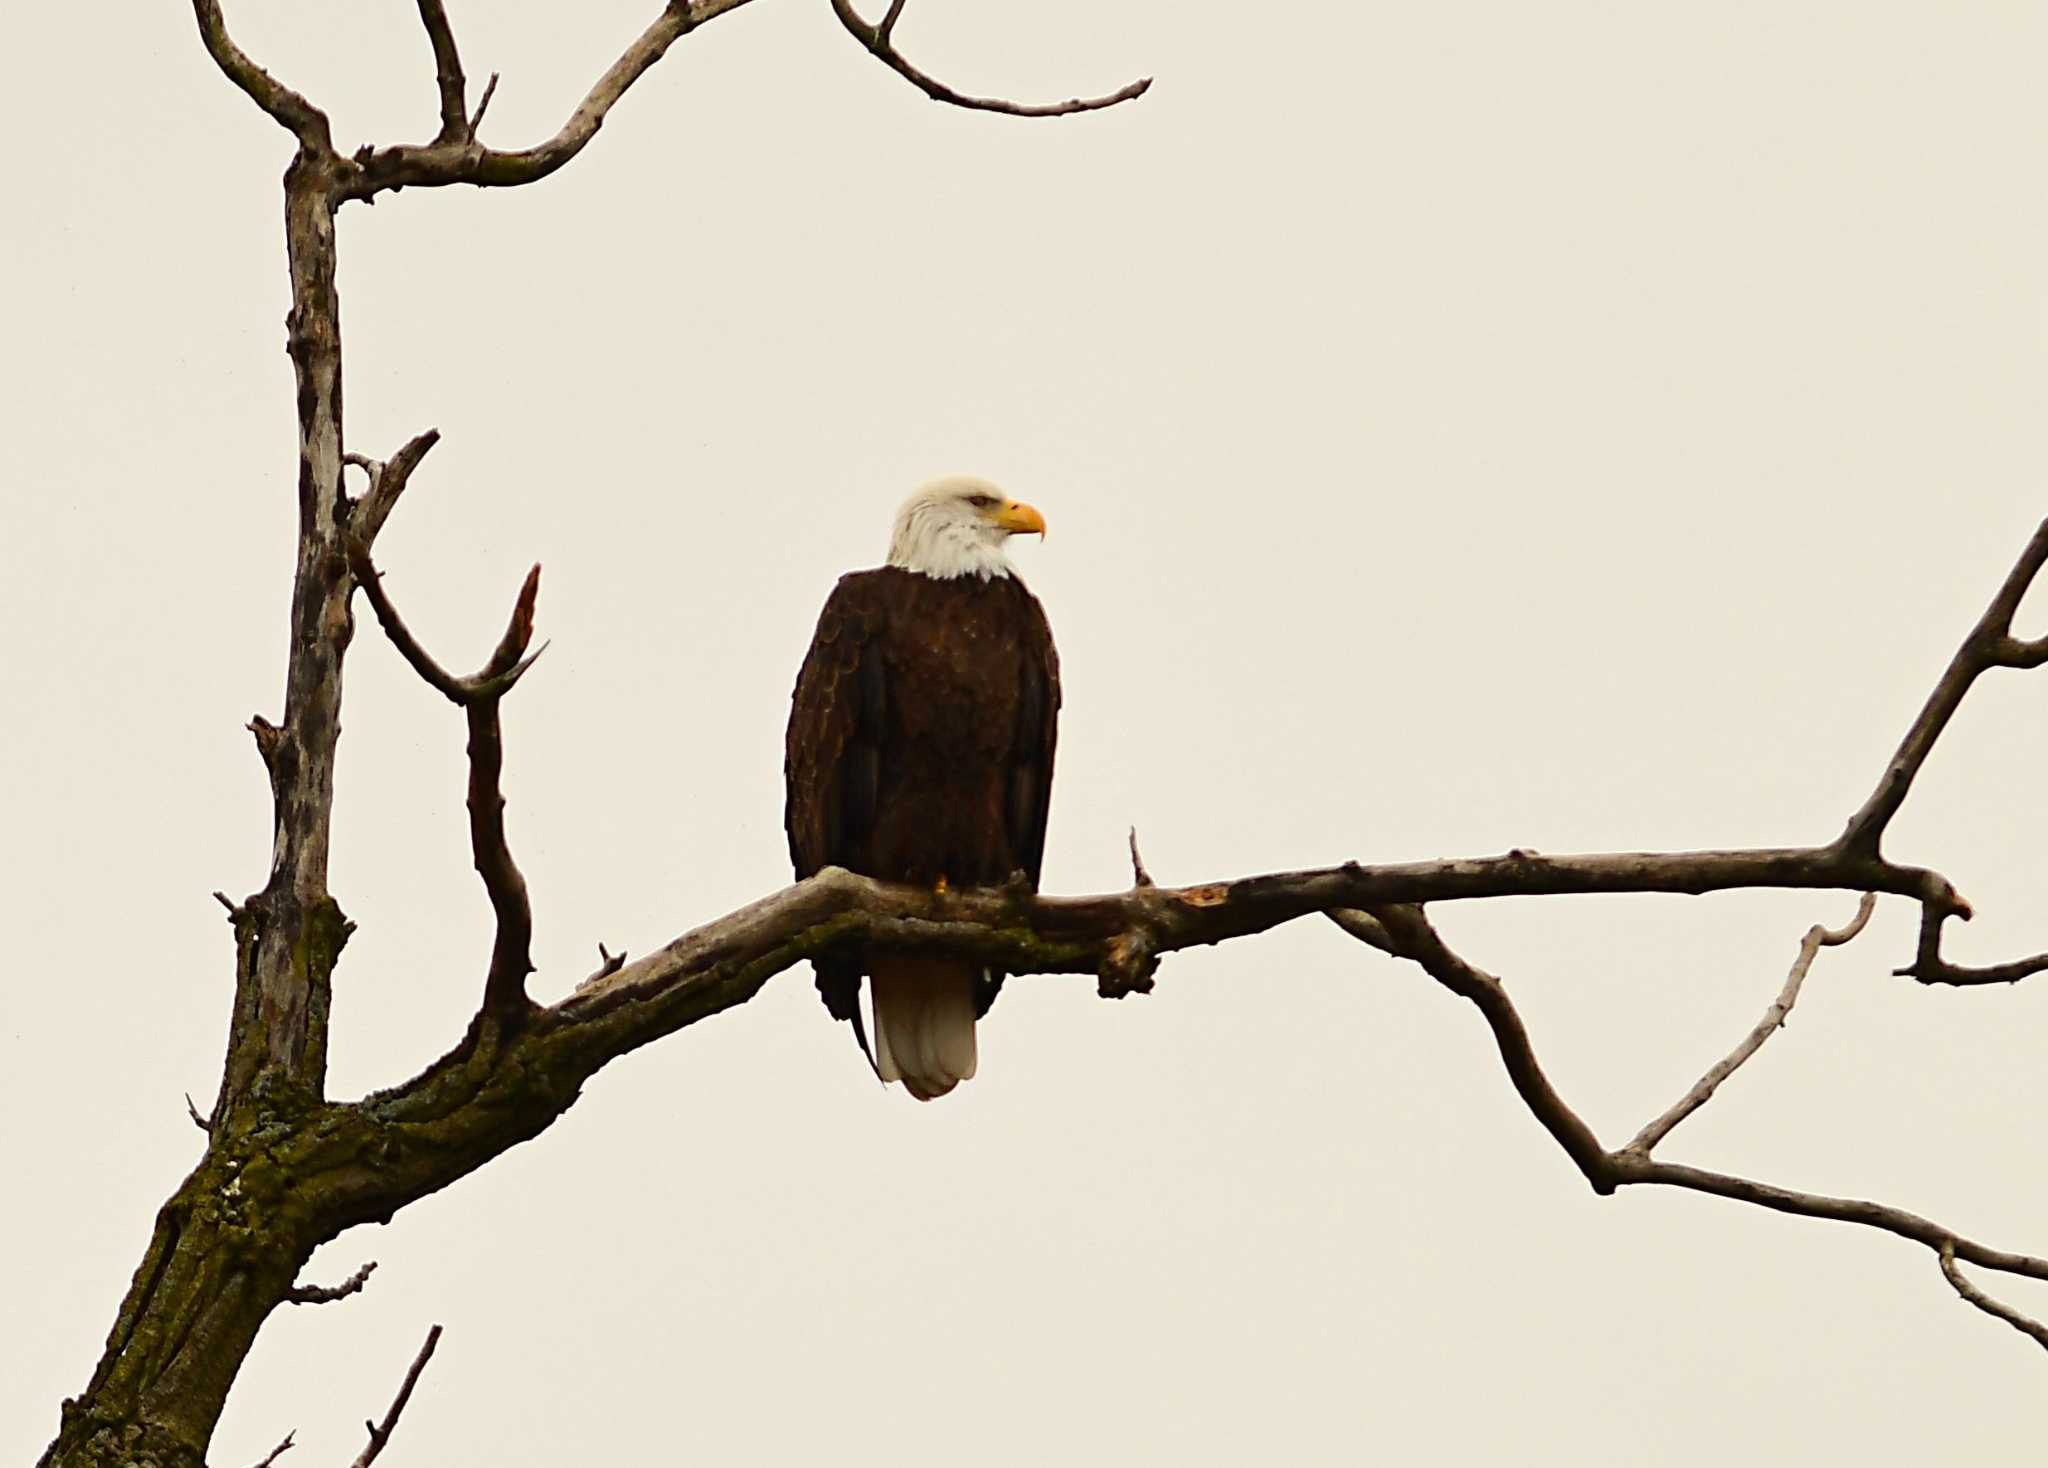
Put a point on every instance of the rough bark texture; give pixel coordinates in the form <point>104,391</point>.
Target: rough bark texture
<point>287,1168</point>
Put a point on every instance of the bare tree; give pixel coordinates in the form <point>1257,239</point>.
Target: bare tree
<point>287,1168</point>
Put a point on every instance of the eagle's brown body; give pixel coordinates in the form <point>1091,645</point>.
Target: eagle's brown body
<point>920,749</point>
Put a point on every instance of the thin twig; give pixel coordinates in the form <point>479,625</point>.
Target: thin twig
<point>483,104</point>
<point>380,1432</point>
<point>197,1120</point>
<point>2024,1324</point>
<point>277,1452</point>
<point>327,1294</point>
<point>1817,937</point>
<point>1139,876</point>
<point>879,40</point>
<point>607,964</point>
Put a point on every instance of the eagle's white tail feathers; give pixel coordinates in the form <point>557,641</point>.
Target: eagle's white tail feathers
<point>924,1023</point>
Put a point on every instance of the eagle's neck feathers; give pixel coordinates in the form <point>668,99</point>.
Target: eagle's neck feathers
<point>944,546</point>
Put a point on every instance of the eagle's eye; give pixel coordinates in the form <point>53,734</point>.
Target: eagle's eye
<point>981,501</point>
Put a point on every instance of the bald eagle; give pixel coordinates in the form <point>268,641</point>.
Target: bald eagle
<point>920,750</point>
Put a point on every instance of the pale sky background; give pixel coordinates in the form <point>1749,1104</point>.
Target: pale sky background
<point>1579,426</point>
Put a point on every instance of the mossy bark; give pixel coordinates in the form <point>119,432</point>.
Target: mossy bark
<point>229,1243</point>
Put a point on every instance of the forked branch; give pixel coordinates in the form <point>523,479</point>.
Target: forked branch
<point>2024,1324</point>
<point>292,111</point>
<point>479,695</point>
<point>1990,644</point>
<point>456,157</point>
<point>1414,938</point>
<point>1929,967</point>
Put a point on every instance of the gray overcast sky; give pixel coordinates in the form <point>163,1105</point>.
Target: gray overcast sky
<point>1575,426</point>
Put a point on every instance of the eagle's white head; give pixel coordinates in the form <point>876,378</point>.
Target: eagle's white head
<point>956,526</point>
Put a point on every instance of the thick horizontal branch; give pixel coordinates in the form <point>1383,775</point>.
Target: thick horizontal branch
<point>306,122</point>
<point>470,1106</point>
<point>462,160</point>
<point>879,39</point>
<point>1114,935</point>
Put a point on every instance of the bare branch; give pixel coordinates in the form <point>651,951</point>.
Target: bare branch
<point>879,40</point>
<point>1416,939</point>
<point>277,1452</point>
<point>1139,876</point>
<point>1929,967</point>
<point>538,1069</point>
<point>447,72</point>
<point>292,111</point>
<point>2024,1324</point>
<point>2013,653</point>
<point>511,949</point>
<point>371,580</point>
<point>453,161</point>
<point>1990,644</point>
<point>1025,933</point>
<point>480,695</point>
<point>1607,1171</point>
<point>197,1120</point>
<point>483,104</point>
<point>1632,1169</point>
<point>267,735</point>
<point>387,483</point>
<point>327,1294</point>
<point>1817,938</point>
<point>380,1432</point>
<point>888,26</point>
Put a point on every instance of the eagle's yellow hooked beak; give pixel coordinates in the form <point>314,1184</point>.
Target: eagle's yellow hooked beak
<point>1020,519</point>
